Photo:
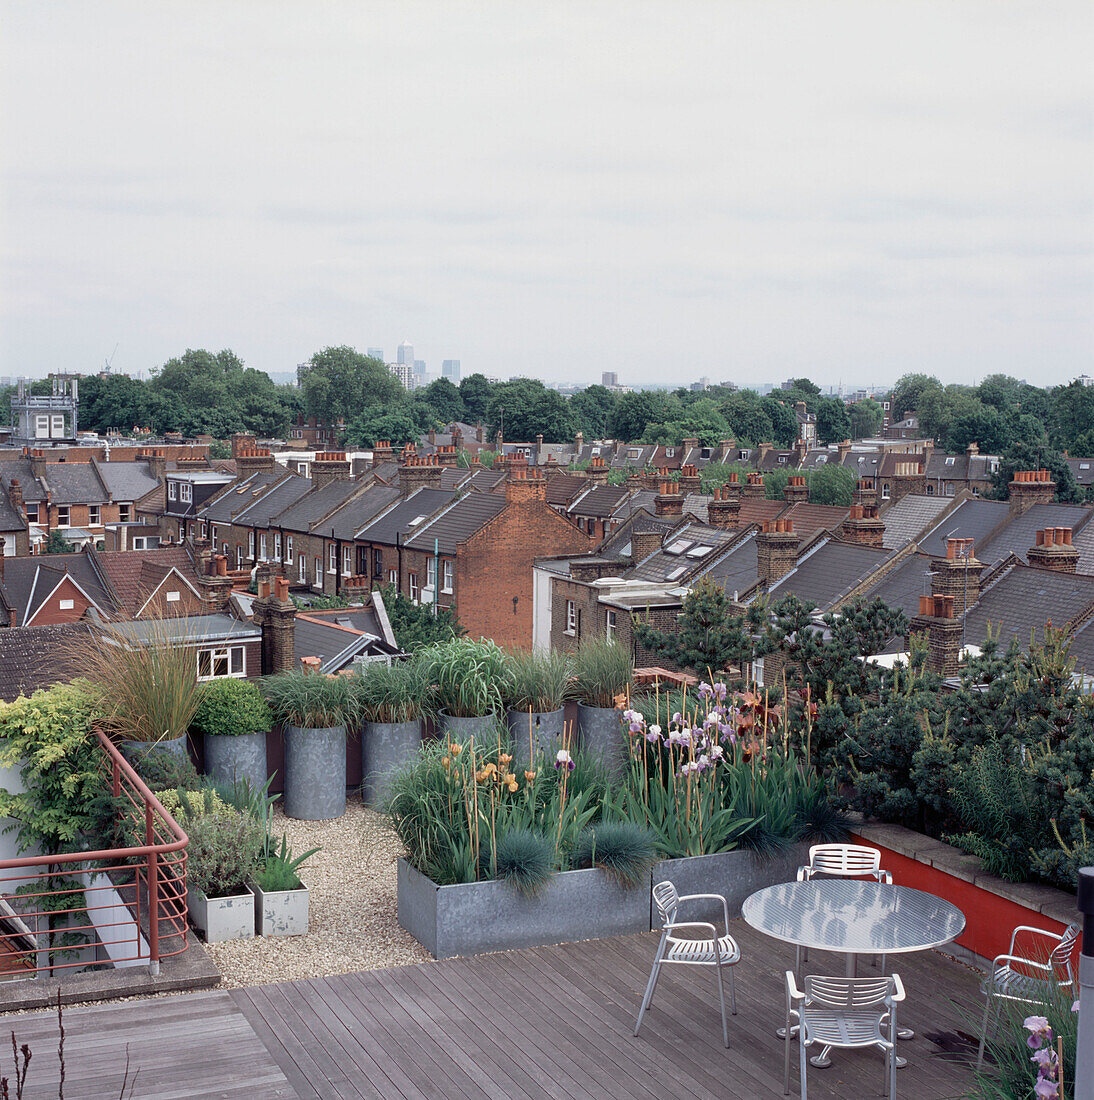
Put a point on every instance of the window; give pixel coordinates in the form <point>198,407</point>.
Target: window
<point>239,555</point>
<point>571,617</point>
<point>172,490</point>
<point>885,491</point>
<point>930,489</point>
<point>63,516</point>
<point>262,546</point>
<point>412,579</point>
<point>317,573</point>
<point>950,459</point>
<point>94,515</point>
<point>277,546</point>
<point>332,558</point>
<point>250,544</point>
<point>224,548</point>
<point>347,561</point>
<point>670,452</point>
<point>140,542</point>
<point>125,513</point>
<point>949,488</point>
<point>302,572</point>
<point>609,626</point>
<point>377,562</point>
<point>448,571</point>
<point>174,597</point>
<point>393,578</point>
<point>32,513</point>
<point>204,529</point>
<point>221,661</point>
<point>212,534</point>
<point>431,573</point>
<point>66,605</point>
<point>186,492</point>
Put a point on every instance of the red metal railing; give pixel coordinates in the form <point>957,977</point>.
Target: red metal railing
<point>120,907</point>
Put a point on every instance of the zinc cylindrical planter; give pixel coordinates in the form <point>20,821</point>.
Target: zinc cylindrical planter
<point>601,736</point>
<point>535,733</point>
<point>482,727</point>
<point>236,758</point>
<point>385,748</point>
<point>133,751</point>
<point>315,773</point>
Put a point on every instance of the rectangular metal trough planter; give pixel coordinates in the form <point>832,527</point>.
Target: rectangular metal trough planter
<point>477,917</point>
<point>734,875</point>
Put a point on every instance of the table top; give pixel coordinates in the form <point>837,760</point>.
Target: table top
<point>855,916</point>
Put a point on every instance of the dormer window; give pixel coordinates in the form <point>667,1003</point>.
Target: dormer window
<point>670,452</point>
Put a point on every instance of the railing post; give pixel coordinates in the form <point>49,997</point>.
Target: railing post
<point>153,894</point>
<point>117,778</point>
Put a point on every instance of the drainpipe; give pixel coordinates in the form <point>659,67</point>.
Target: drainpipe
<point>337,563</point>
<point>1084,1047</point>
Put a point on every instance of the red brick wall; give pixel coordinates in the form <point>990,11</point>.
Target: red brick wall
<point>51,612</point>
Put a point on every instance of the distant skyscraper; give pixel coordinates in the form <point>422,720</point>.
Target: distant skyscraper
<point>609,379</point>
<point>405,353</point>
<point>404,372</point>
<point>419,367</point>
<point>450,369</point>
<point>376,353</point>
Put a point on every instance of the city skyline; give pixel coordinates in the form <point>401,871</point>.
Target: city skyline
<point>913,195</point>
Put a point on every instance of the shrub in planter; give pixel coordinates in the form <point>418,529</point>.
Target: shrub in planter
<point>537,687</point>
<point>390,699</point>
<point>315,711</point>
<point>234,717</point>
<point>602,679</point>
<point>281,898</point>
<point>624,849</point>
<point>466,680</point>
<point>525,859</point>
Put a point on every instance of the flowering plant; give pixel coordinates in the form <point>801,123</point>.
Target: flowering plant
<point>1045,1058</point>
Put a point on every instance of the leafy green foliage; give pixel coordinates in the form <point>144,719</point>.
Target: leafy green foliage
<point>624,849</point>
<point>279,868</point>
<point>310,701</point>
<point>524,408</point>
<point>223,856</point>
<point>340,382</point>
<point>466,677</point>
<point>232,707</point>
<point>602,673</point>
<point>393,693</point>
<point>58,544</point>
<point>833,420</point>
<point>419,625</point>
<point>524,859</point>
<point>536,681</point>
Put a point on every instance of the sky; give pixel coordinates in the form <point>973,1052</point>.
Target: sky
<point>740,190</point>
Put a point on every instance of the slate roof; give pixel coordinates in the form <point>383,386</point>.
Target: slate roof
<point>239,495</point>
<point>1083,470</point>
<point>1020,534</point>
<point>355,513</point>
<point>695,504</point>
<point>337,638</point>
<point>1084,543</point>
<point>975,519</point>
<point>267,505</point>
<point>452,477</point>
<point>813,517</point>
<point>126,481</point>
<point>645,499</point>
<point>28,582</point>
<point>309,509</point>
<point>1082,648</point>
<point>75,483</point>
<point>396,520</point>
<point>387,472</point>
<point>32,657</point>
<point>598,502</point>
<point>634,456</point>
<point>11,519</point>
<point>19,469</point>
<point>486,481</point>
<point>457,522</point>
<point>562,488</point>
<point>829,571</point>
<point>678,559</point>
<point>1022,599</point>
<point>902,586</point>
<point>910,516</point>
<point>738,571</point>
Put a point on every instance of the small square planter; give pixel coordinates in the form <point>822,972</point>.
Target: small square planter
<point>222,919</point>
<point>474,918</point>
<point>281,912</point>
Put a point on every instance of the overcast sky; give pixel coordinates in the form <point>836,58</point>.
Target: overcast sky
<point>740,190</point>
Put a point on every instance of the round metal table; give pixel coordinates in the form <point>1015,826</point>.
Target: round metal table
<point>854,917</point>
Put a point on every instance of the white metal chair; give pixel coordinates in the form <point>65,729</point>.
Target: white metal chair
<point>842,1012</point>
<point>707,948</point>
<point>1034,981</point>
<point>841,861</point>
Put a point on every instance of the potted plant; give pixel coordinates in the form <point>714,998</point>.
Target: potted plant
<point>315,711</point>
<point>222,859</point>
<point>281,898</point>
<point>234,717</point>
<point>465,679</point>
<point>537,686</point>
<point>602,680</point>
<point>391,698</point>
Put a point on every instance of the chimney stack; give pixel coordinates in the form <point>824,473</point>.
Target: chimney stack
<point>156,459</point>
<point>668,501</point>
<point>525,486</point>
<point>753,488</point>
<point>724,507</point>
<point>215,584</point>
<point>597,471</point>
<point>644,543</point>
<point>382,451</point>
<point>275,613</point>
<point>940,622</point>
<point>1054,550</point>
<point>909,476</point>
<point>957,575</point>
<point>38,464</point>
<point>866,491</point>
<point>863,526</point>
<point>417,472</point>
<point>242,441</point>
<point>1030,487</point>
<point>253,460</point>
<point>579,444</point>
<point>776,550</point>
<point>689,480</point>
<point>796,490</point>
<point>15,495</point>
<point>328,466</point>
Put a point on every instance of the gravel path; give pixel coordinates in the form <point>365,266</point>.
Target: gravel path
<point>352,919</point>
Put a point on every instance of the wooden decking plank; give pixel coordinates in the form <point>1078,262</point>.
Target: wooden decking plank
<point>274,1043</point>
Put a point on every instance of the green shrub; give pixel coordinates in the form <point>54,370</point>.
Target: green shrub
<point>466,677</point>
<point>224,852</point>
<point>524,859</point>
<point>540,682</point>
<point>310,701</point>
<point>393,693</point>
<point>603,672</point>
<point>232,707</point>
<point>166,771</point>
<point>624,849</point>
<point>278,866</point>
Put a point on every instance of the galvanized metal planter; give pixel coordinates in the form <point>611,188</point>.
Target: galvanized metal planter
<point>483,728</point>
<point>601,736</point>
<point>233,758</point>
<point>222,918</point>
<point>478,917</point>
<point>734,875</point>
<point>133,751</point>
<point>315,773</point>
<point>541,729</point>
<point>385,748</point>
<point>281,912</point>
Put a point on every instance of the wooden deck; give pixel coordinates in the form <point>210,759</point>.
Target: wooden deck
<point>537,1024</point>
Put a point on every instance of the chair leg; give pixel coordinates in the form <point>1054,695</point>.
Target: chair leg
<point>984,1031</point>
<point>804,1057</point>
<point>722,1002</point>
<point>651,985</point>
<point>786,1057</point>
<point>732,992</point>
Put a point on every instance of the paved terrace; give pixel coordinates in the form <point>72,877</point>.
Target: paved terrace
<point>536,1024</point>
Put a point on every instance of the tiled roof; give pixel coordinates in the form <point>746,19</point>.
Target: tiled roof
<point>630,504</point>
<point>239,495</point>
<point>32,657</point>
<point>975,519</point>
<point>1082,648</point>
<point>457,522</point>
<point>685,552</point>
<point>1020,533</point>
<point>126,481</point>
<point>902,586</point>
<point>1082,469</point>
<point>598,502</point>
<point>314,505</point>
<point>738,571</point>
<point>1022,599</point>
<point>134,574</point>
<point>486,481</point>
<point>267,505</point>
<point>1084,543</point>
<point>814,517</point>
<point>910,516</point>
<point>695,504</point>
<point>760,511</point>
<point>829,571</point>
<point>562,488</point>
<point>388,472</point>
<point>11,519</point>
<point>356,512</point>
<point>396,521</point>
<point>452,477</point>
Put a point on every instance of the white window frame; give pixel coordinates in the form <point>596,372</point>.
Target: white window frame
<point>431,573</point>
<point>172,490</point>
<point>66,605</point>
<point>64,515</point>
<point>140,542</point>
<point>393,578</point>
<point>234,658</point>
<point>251,545</point>
<point>302,572</point>
<point>317,575</point>
<point>262,546</point>
<point>886,492</point>
<point>332,557</point>
<point>94,515</point>
<point>412,586</point>
<point>288,549</point>
<point>347,561</point>
<point>448,575</point>
<point>610,626</point>
<point>125,513</point>
<point>277,545</point>
<point>32,512</point>
<point>186,492</point>
<point>571,618</point>
<point>239,555</point>
<point>212,534</point>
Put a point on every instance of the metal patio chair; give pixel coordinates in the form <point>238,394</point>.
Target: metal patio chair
<point>841,861</point>
<point>842,1012</point>
<point>1015,977</point>
<point>707,948</point>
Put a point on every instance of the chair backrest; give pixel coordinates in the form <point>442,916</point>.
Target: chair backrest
<point>833,992</point>
<point>1061,954</point>
<point>667,898</point>
<point>847,860</point>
